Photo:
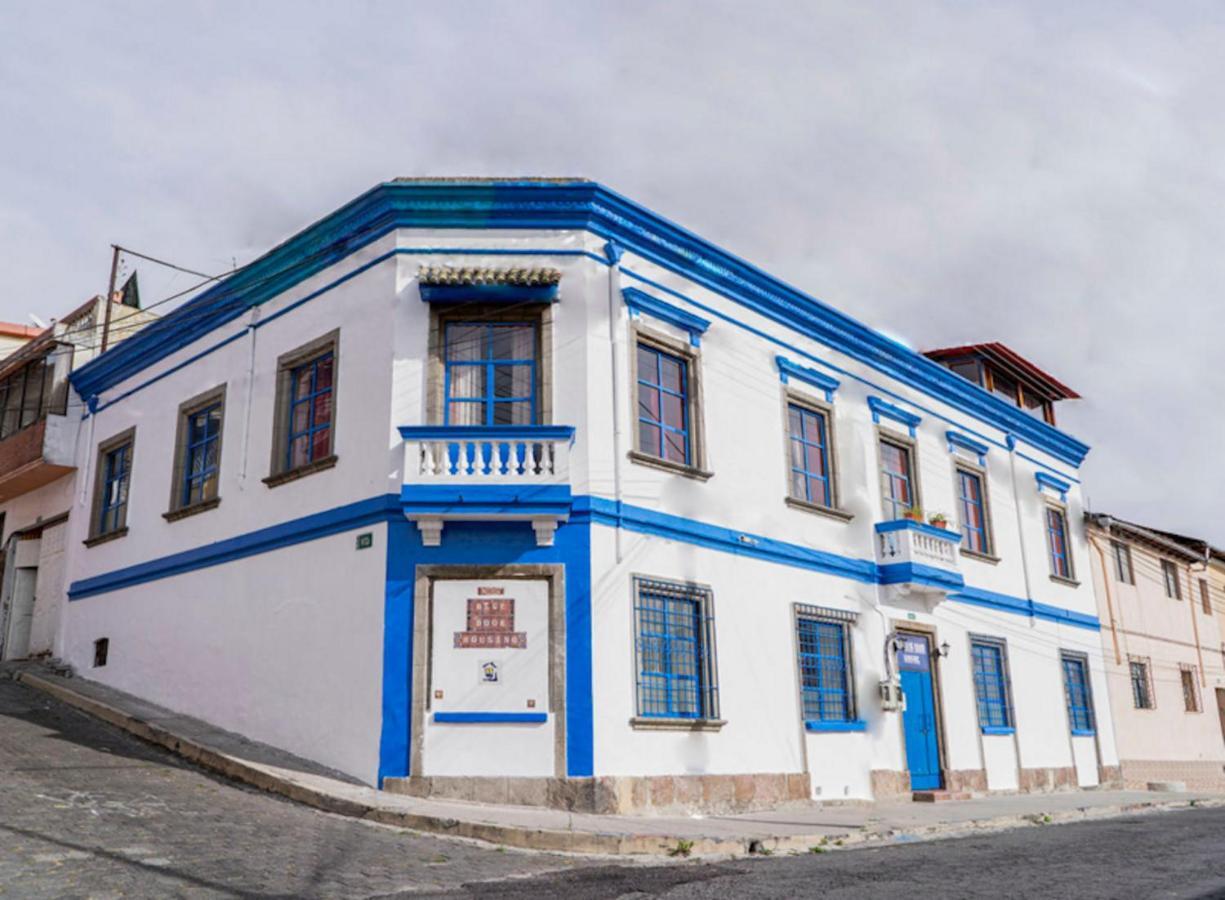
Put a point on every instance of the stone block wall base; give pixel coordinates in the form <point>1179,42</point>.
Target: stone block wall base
<point>888,784</point>
<point>972,781</point>
<point>1197,775</point>
<point>1061,778</point>
<point>614,795</point>
<point>1110,777</point>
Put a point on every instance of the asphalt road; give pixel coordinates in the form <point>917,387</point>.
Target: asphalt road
<point>88,811</point>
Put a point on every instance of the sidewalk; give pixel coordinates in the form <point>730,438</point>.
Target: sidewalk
<point>790,830</point>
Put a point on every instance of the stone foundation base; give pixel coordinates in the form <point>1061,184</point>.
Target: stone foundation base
<point>966,780</point>
<point>1197,775</point>
<point>888,784</point>
<point>1062,778</point>
<point>1110,777</point>
<point>611,795</point>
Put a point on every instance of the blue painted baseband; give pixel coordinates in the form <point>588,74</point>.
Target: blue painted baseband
<point>1083,732</point>
<point>483,718</point>
<point>487,293</point>
<point>584,509</point>
<point>998,729</point>
<point>819,725</point>
<point>486,500</point>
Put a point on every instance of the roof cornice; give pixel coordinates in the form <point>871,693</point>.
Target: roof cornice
<point>578,205</point>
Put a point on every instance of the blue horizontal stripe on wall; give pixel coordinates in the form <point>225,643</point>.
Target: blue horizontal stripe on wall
<point>820,725</point>
<point>484,718</point>
<point>998,729</point>
<point>915,573</point>
<point>584,509</point>
<point>556,205</point>
<point>253,543</point>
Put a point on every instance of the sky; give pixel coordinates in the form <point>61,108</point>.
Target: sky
<point>949,172</point>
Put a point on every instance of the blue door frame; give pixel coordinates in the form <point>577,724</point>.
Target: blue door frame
<point>919,718</point>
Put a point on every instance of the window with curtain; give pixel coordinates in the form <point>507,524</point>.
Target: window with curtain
<point>1057,543</point>
<point>896,480</point>
<point>674,645</point>
<point>973,506</point>
<point>663,405</point>
<point>491,373</point>
<point>810,462</point>
<point>991,684</point>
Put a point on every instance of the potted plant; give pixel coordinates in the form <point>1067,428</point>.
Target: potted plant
<point>914,514</point>
<point>939,520</point>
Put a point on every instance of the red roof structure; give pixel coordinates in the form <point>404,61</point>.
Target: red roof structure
<point>1008,360</point>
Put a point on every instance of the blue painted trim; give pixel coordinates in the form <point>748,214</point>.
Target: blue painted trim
<point>398,600</point>
<point>916,573</point>
<point>487,293</point>
<point>1049,481</point>
<point>486,499</point>
<point>642,302</point>
<point>554,205</point>
<point>488,717</point>
<point>881,409</point>
<point>286,534</point>
<point>998,729</point>
<point>956,439</point>
<point>689,531</point>
<point>788,370</point>
<point>819,725</point>
<point>1083,732</point>
<point>487,432</point>
<point>942,534</point>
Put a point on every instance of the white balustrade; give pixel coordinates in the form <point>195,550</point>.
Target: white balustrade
<point>513,455</point>
<point>919,546</point>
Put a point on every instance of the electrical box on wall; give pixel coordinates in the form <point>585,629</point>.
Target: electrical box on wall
<point>891,697</point>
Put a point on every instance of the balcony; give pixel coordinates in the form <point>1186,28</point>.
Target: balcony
<point>486,473</point>
<point>918,559</point>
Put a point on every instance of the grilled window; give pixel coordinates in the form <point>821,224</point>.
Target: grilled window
<point>991,683</point>
<point>675,650</point>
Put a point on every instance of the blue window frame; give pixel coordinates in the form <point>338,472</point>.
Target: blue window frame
<point>824,671</point>
<point>491,373</point>
<point>810,469</point>
<point>1076,690</point>
<point>310,411</point>
<point>1057,543</point>
<point>201,455</point>
<point>991,684</point>
<point>896,480</point>
<point>973,511</point>
<point>675,636</point>
<point>116,478</point>
<point>663,405</point>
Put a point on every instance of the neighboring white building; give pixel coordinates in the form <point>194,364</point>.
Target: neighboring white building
<point>39,419</point>
<point>515,490</point>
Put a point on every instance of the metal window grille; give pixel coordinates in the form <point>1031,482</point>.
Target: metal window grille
<point>116,471</point>
<point>1076,689</point>
<point>897,493</point>
<point>490,373</point>
<point>1057,542</point>
<point>1122,562</point>
<point>825,682</point>
<point>201,462</point>
<point>990,684</point>
<point>675,650</point>
<point>973,512</point>
<point>663,405</point>
<point>1141,686</point>
<point>1169,574</point>
<point>809,432</point>
<point>310,411</point>
<point>1190,690</point>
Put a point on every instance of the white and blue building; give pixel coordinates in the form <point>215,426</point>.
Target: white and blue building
<point>516,490</point>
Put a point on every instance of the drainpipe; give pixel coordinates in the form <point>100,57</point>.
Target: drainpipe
<point>246,425</point>
<point>1016,505</point>
<point>613,253</point>
<point>1101,556</point>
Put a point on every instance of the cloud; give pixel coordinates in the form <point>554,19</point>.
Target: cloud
<point>1042,175</point>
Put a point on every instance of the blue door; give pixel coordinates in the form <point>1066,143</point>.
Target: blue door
<point>919,719</point>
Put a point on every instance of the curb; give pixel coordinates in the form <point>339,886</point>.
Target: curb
<point>555,840</point>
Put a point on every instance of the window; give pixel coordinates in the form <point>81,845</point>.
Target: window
<point>198,457</point>
<point>112,483</point>
<point>1169,575</point>
<point>1122,562</point>
<point>305,440</point>
<point>825,681</point>
<point>990,684</point>
<point>973,507</point>
<point>1004,386</point>
<point>490,373</point>
<point>1057,543</point>
<point>1076,691</point>
<point>664,416</point>
<point>675,650</point>
<point>896,480</point>
<point>1205,597</point>
<point>970,369</point>
<point>1190,688</point>
<point>26,396</point>
<point>1141,685</point>
<point>810,459</point>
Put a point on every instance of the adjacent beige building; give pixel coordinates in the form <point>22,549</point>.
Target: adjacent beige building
<point>1161,599</point>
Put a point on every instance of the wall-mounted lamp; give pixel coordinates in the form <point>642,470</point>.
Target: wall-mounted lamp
<point>944,649</point>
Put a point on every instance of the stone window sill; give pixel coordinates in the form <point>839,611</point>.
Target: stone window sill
<point>988,558</point>
<point>650,723</point>
<point>108,536</point>
<point>1069,582</point>
<point>817,509</point>
<point>301,471</point>
<point>666,465</point>
<point>184,512</point>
